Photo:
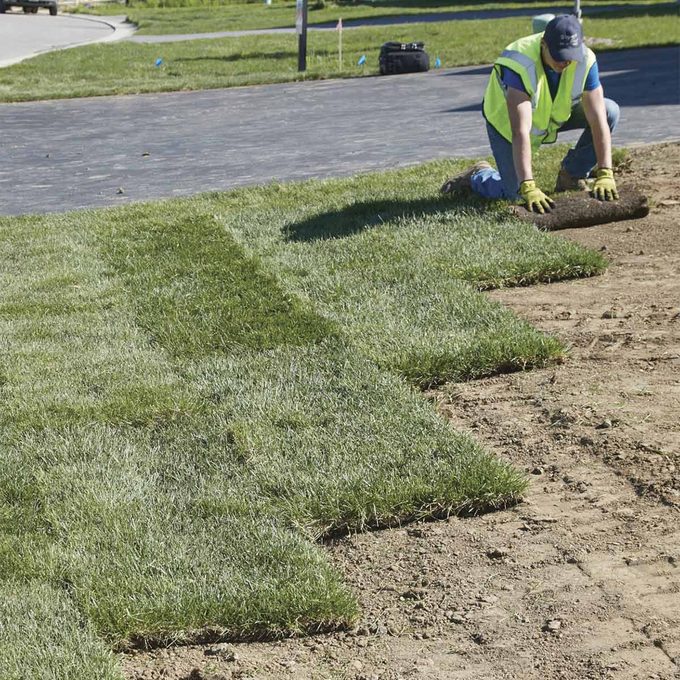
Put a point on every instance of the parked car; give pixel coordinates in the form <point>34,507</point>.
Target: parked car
<point>29,6</point>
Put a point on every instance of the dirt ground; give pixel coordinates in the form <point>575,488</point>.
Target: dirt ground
<point>580,581</point>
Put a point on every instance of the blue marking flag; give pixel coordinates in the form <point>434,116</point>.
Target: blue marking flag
<point>437,62</point>
<point>159,62</point>
<point>362,60</point>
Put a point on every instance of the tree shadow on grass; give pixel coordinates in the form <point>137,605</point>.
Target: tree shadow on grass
<point>241,56</point>
<point>359,217</point>
<point>419,4</point>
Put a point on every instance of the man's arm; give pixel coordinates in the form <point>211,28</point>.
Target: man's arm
<point>596,115</point>
<point>604,186</point>
<point>519,111</point>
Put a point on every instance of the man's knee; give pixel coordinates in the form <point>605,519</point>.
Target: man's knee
<point>613,112</point>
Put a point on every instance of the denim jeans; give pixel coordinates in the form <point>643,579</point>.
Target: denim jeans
<point>578,162</point>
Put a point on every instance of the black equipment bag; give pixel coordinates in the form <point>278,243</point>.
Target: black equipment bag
<point>403,58</point>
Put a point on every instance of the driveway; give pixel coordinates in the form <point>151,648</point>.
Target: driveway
<point>86,153</point>
<point>25,35</point>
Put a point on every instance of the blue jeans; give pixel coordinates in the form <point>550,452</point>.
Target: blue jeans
<point>578,162</point>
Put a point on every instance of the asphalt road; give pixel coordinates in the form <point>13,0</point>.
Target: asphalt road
<point>66,154</point>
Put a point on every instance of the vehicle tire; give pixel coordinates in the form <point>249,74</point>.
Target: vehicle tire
<point>53,10</point>
<point>26,10</point>
<point>2,7</point>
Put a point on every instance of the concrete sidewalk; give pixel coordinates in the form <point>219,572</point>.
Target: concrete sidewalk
<point>26,35</point>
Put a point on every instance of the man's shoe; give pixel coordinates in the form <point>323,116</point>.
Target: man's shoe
<point>566,182</point>
<point>461,182</point>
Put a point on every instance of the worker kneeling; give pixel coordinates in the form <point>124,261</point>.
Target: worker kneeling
<point>541,85</point>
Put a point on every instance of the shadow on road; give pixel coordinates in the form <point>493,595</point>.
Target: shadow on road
<point>481,71</point>
<point>629,77</point>
<point>477,106</point>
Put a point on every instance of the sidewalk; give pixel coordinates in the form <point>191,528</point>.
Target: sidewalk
<point>26,35</point>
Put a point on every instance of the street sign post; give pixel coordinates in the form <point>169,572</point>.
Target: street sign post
<point>301,29</point>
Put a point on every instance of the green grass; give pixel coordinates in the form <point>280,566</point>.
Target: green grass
<point>195,391</point>
<point>42,636</point>
<point>162,17</point>
<point>126,68</point>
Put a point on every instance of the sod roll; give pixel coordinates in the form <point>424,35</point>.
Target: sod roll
<point>580,209</point>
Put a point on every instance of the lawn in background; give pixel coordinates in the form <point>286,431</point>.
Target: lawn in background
<point>196,390</point>
<point>161,17</point>
<point>127,68</point>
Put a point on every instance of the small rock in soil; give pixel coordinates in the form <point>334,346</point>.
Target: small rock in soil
<point>378,629</point>
<point>487,599</point>
<point>224,654</point>
<point>393,630</point>
<point>496,553</point>
<point>604,425</point>
<point>480,638</point>
<point>552,626</point>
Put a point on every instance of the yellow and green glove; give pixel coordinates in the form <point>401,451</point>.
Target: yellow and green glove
<point>534,198</point>
<point>604,186</point>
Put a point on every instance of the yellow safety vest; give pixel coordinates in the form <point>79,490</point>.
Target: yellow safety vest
<point>524,58</point>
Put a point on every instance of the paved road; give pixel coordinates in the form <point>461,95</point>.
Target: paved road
<point>66,154</point>
<point>25,35</point>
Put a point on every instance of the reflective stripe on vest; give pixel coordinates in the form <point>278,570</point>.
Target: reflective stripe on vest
<point>582,69</point>
<point>529,67</point>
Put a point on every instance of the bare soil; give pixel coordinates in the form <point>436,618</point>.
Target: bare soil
<point>580,581</point>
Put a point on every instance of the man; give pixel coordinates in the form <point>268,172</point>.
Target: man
<point>541,85</point>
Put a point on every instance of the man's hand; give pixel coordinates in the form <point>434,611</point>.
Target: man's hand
<point>534,198</point>
<point>604,186</point>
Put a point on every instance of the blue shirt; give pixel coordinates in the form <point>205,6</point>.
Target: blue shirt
<point>511,79</point>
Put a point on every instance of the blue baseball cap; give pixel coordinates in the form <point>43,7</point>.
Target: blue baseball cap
<point>564,37</point>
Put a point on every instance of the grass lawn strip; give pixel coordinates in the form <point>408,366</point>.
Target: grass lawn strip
<point>190,508</point>
<point>43,636</point>
<point>128,68</point>
<point>197,17</point>
<point>64,336</point>
<point>397,267</point>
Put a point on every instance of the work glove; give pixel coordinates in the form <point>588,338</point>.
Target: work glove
<point>534,198</point>
<point>604,186</point>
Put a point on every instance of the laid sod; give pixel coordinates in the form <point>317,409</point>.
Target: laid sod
<point>42,635</point>
<point>125,68</point>
<point>195,391</point>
